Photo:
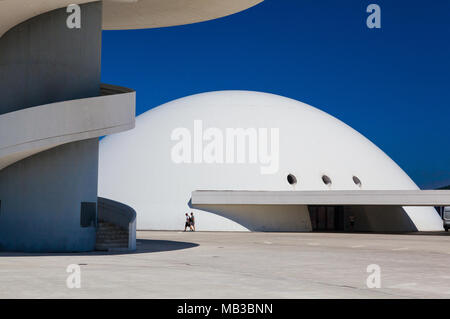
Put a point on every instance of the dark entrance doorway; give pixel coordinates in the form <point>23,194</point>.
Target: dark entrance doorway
<point>327,218</point>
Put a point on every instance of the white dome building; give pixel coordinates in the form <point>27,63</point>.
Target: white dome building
<point>251,141</point>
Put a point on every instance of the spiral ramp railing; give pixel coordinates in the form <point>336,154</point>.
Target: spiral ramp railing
<point>30,131</point>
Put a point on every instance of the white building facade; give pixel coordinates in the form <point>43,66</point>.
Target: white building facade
<point>251,141</point>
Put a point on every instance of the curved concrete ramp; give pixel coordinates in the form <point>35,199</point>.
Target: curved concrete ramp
<point>129,14</point>
<point>33,130</point>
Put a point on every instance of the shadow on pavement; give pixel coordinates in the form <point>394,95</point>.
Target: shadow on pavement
<point>418,233</point>
<point>143,246</point>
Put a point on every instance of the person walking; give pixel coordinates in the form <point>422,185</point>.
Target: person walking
<point>192,221</point>
<point>188,222</point>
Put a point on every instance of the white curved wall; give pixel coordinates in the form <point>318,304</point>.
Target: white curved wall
<point>136,167</point>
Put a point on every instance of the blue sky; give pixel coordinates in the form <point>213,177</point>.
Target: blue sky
<point>391,84</point>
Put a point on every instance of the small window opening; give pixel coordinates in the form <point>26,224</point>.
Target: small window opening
<point>357,181</point>
<point>326,180</point>
<point>291,179</point>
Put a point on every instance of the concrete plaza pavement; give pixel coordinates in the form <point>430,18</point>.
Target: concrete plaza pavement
<point>241,265</point>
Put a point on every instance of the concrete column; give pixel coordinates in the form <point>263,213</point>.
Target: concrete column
<point>42,61</point>
<point>41,200</point>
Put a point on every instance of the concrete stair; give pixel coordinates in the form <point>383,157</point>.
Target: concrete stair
<point>111,237</point>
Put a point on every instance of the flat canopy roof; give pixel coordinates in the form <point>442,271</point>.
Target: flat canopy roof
<point>128,14</point>
<point>347,197</point>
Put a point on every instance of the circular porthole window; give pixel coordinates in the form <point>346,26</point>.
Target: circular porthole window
<point>326,180</point>
<point>291,179</point>
<point>357,181</point>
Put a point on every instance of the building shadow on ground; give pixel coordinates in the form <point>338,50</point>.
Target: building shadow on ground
<point>143,246</point>
<point>418,233</point>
